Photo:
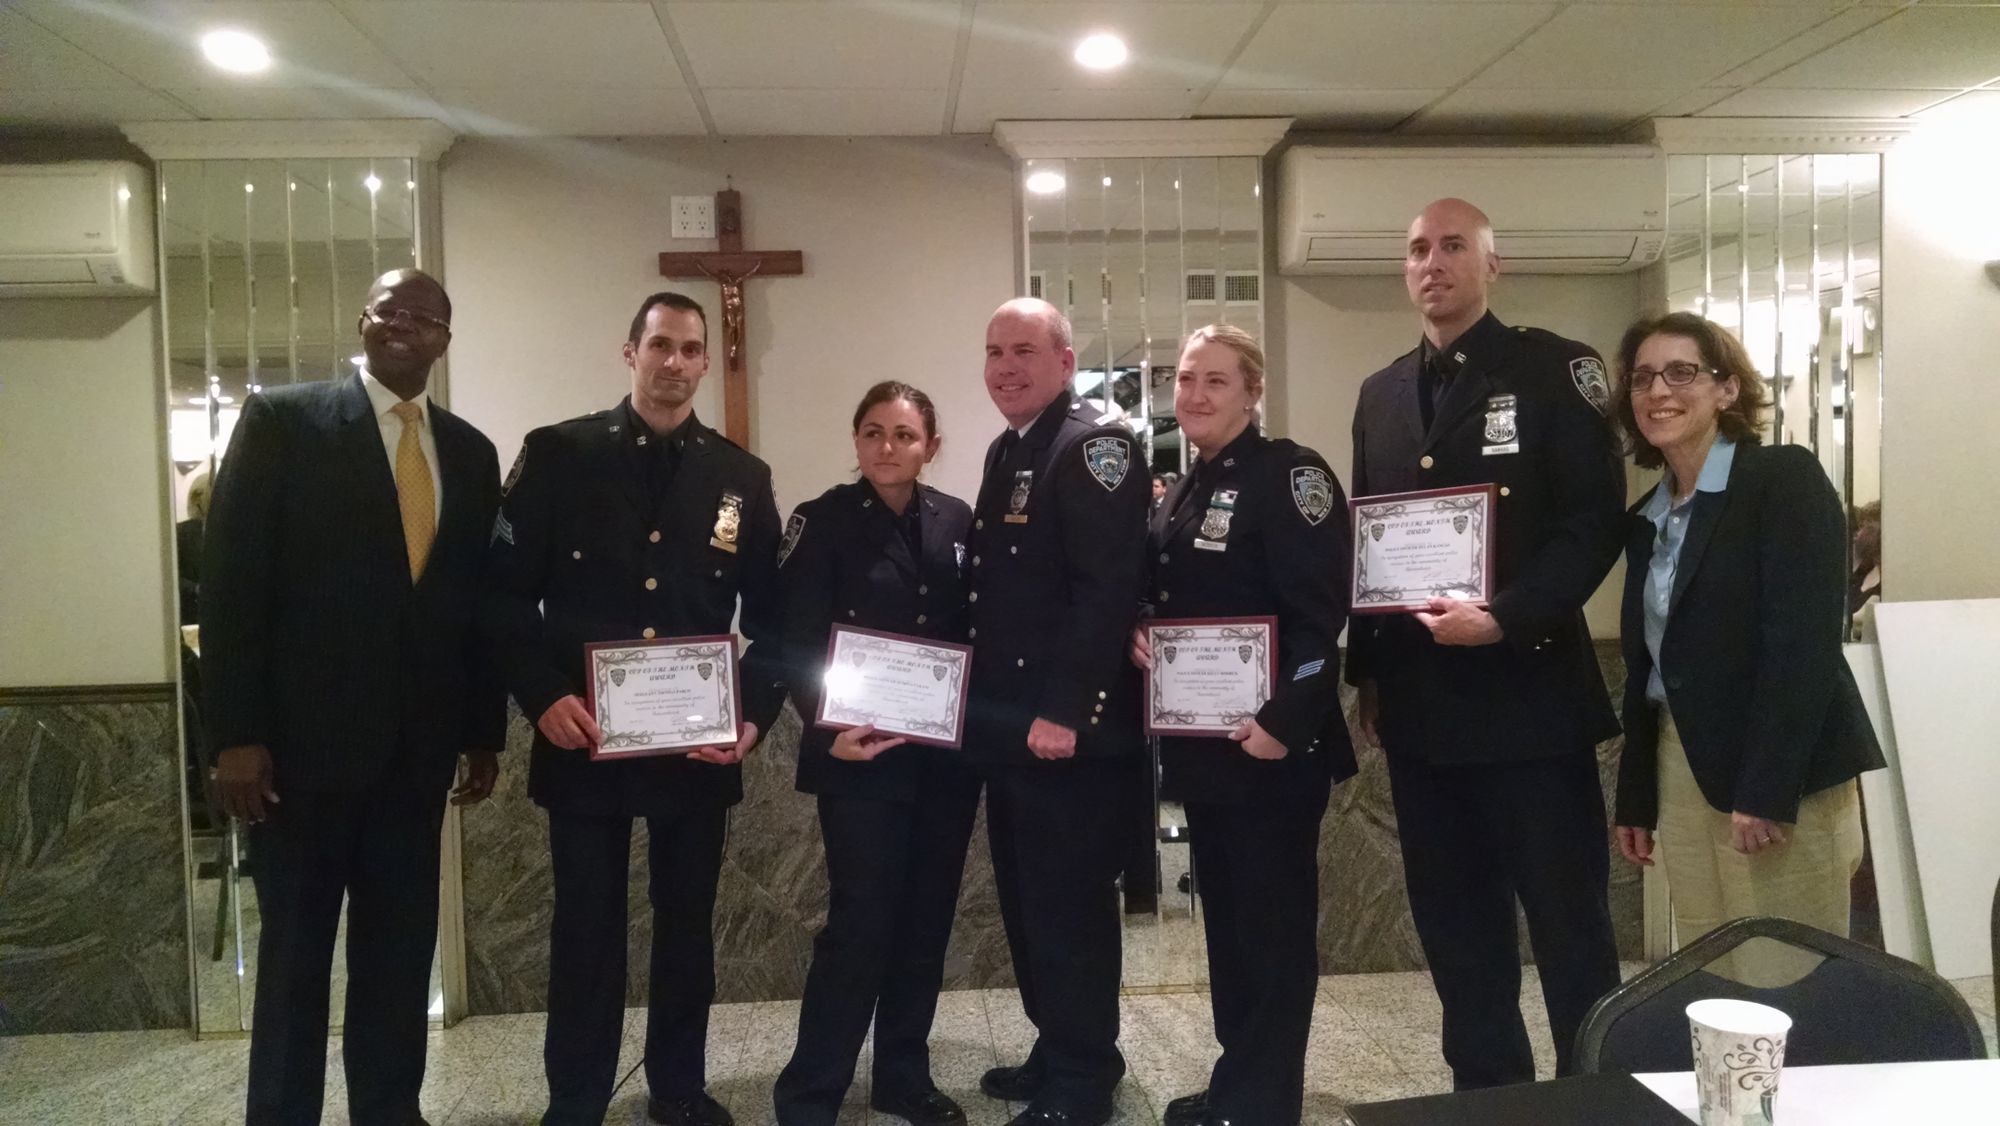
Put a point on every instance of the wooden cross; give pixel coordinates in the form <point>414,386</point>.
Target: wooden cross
<point>729,266</point>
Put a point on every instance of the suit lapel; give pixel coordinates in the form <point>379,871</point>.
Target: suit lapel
<point>1404,402</point>
<point>359,437</point>
<point>1707,512</point>
<point>1470,387</point>
<point>616,461</point>
<point>1179,512</point>
<point>884,527</point>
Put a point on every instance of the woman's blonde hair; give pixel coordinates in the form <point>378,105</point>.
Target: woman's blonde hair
<point>1249,354</point>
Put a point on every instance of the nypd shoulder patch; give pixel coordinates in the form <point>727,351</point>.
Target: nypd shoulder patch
<point>1587,372</point>
<point>1108,459</point>
<point>1312,492</point>
<point>794,528</point>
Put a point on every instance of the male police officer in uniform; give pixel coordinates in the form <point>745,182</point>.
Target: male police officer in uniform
<point>1489,716</point>
<point>1058,540</point>
<point>636,522</point>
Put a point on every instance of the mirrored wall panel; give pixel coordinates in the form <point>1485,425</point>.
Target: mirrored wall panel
<point>1786,251</point>
<point>265,264</point>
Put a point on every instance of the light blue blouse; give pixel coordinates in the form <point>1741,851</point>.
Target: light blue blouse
<point>1671,520</point>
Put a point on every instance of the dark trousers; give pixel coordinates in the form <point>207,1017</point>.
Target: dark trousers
<point>587,939</point>
<point>1257,865</point>
<point>379,847</point>
<point>1474,837</point>
<point>893,871</point>
<point>1058,845</point>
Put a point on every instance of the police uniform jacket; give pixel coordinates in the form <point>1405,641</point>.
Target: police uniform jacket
<point>585,550</point>
<point>1057,563</point>
<point>845,562</point>
<point>1525,413</point>
<point>1260,530</point>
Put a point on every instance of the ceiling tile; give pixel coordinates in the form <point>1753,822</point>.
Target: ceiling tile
<point>1023,46</point>
<point>1806,44</point>
<point>498,43</point>
<point>979,109</point>
<point>1378,46</point>
<point>155,44</point>
<point>285,103</point>
<point>32,58</point>
<point>1918,47</point>
<point>1548,111</point>
<point>1684,45</point>
<point>805,44</point>
<point>87,107</point>
<point>1767,102</point>
<point>571,111</point>
<point>1322,109</point>
<point>849,113</point>
<point>1693,102</point>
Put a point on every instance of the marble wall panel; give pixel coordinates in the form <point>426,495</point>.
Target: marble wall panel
<point>92,877</point>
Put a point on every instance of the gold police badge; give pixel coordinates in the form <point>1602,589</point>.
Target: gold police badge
<point>728,521</point>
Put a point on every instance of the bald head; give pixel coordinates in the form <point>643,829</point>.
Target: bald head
<point>1029,360</point>
<point>1449,267</point>
<point>1037,309</point>
<point>408,279</point>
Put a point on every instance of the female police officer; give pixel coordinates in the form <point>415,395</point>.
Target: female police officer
<point>1259,528</point>
<point>882,553</point>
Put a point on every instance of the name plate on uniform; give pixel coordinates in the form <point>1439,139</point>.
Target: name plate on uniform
<point>1209,675</point>
<point>1412,547</point>
<point>908,686</point>
<point>663,697</point>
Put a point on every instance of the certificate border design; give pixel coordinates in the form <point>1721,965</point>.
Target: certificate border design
<point>1477,501</point>
<point>1261,632</point>
<point>622,744</point>
<point>958,658</point>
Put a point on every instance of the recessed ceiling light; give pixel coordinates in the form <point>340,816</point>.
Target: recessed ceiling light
<point>236,51</point>
<point>125,196</point>
<point>1102,51</point>
<point>248,188</point>
<point>1045,183</point>
<point>373,183</point>
<point>1107,181</point>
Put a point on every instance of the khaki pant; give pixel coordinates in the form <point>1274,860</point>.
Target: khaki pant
<point>1806,878</point>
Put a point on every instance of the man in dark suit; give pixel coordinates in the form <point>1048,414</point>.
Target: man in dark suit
<point>1490,715</point>
<point>341,576</point>
<point>1058,545</point>
<point>636,522</point>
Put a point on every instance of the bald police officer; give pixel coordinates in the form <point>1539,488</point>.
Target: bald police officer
<point>1489,717</point>
<point>1058,543</point>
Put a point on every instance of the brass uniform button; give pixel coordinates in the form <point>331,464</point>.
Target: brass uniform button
<point>647,633</point>
<point>655,537</point>
<point>1505,491</point>
<point>1427,462</point>
<point>652,584</point>
<point>972,633</point>
<point>576,555</point>
<point>922,618</point>
<point>973,597</point>
<point>1020,662</point>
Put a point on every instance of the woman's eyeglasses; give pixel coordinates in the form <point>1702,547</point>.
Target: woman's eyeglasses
<point>1676,374</point>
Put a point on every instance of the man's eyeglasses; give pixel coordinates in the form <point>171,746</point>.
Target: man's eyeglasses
<point>410,317</point>
<point>1676,374</point>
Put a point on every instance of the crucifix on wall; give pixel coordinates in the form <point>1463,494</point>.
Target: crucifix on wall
<point>729,266</point>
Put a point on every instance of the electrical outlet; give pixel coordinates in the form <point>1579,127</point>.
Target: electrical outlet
<point>693,216</point>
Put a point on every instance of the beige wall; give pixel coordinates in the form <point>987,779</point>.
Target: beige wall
<point>550,245</point>
<point>1330,333</point>
<point>1940,409</point>
<point>83,534</point>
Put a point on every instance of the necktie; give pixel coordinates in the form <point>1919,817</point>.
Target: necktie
<point>415,494</point>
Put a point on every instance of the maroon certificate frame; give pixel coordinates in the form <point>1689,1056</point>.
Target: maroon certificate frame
<point>911,687</point>
<point>665,696</point>
<point>1412,547</point>
<point>1220,706</point>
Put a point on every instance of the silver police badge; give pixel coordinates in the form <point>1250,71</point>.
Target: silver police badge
<point>1500,426</point>
<point>1312,492</point>
<point>794,528</point>
<point>1024,479</point>
<point>1107,459</point>
<point>1215,525</point>
<point>1587,372</point>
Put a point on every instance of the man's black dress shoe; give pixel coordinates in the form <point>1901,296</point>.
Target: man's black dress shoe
<point>926,1108</point>
<point>688,1110</point>
<point>1188,1110</point>
<point>1012,1084</point>
<point>1049,1116</point>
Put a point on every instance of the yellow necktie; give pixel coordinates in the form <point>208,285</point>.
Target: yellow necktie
<point>415,494</point>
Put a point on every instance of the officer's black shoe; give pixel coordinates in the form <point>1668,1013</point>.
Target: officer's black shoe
<point>1050,1116</point>
<point>925,1108</point>
<point>688,1110</point>
<point>1012,1084</point>
<point>1188,1110</point>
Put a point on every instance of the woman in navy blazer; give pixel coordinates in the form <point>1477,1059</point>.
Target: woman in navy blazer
<point>883,553</point>
<point>1744,729</point>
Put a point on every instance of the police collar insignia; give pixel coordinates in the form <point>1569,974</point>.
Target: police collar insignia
<point>728,520</point>
<point>514,474</point>
<point>958,553</point>
<point>1312,492</point>
<point>1587,372</point>
<point>794,528</point>
<point>1108,459</point>
<point>1500,418</point>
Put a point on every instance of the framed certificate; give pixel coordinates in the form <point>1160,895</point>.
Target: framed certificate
<point>908,686</point>
<point>1209,675</point>
<point>1412,547</point>
<point>663,697</point>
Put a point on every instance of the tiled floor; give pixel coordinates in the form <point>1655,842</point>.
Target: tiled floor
<point>1374,1037</point>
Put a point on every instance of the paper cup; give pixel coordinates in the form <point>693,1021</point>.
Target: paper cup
<point>1739,1047</point>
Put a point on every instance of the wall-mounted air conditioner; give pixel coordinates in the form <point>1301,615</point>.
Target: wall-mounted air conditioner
<point>82,229</point>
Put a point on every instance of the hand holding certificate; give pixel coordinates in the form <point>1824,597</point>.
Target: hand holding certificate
<point>1209,675</point>
<point>908,686</point>
<point>663,697</point>
<point>1412,547</point>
